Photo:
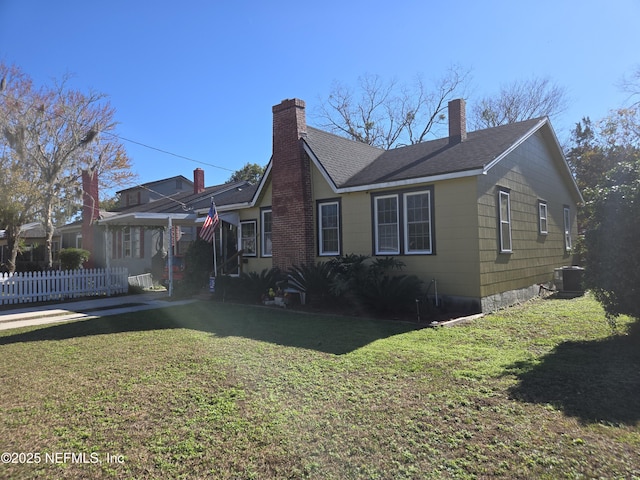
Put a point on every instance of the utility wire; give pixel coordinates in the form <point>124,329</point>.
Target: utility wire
<point>166,152</point>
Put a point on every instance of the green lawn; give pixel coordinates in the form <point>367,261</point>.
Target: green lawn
<point>210,390</point>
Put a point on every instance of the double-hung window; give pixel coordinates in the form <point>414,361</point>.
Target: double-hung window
<point>248,238</point>
<point>131,242</point>
<point>329,228</point>
<point>504,210</point>
<point>567,229</point>
<point>543,228</point>
<point>403,223</point>
<point>417,219</point>
<point>387,225</point>
<point>127,243</point>
<point>266,222</point>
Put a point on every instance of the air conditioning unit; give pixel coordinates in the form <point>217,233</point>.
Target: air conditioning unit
<point>569,280</point>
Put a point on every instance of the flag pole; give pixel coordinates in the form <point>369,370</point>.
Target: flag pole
<point>208,232</point>
<point>215,262</point>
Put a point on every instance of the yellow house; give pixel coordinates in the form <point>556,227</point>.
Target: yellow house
<point>488,215</point>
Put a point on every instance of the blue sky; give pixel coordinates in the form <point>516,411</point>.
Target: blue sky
<point>199,78</point>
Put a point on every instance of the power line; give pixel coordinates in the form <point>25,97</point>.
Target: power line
<point>166,152</point>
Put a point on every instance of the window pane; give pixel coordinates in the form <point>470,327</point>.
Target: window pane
<point>329,216</point>
<point>505,236</point>
<point>387,238</point>
<point>330,241</point>
<point>504,207</point>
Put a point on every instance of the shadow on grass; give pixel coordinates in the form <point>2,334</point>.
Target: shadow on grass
<point>594,381</point>
<point>329,334</point>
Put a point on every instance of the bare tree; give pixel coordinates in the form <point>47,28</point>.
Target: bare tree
<point>386,113</point>
<point>17,202</point>
<point>57,133</point>
<point>518,101</point>
<point>18,185</point>
<point>631,85</point>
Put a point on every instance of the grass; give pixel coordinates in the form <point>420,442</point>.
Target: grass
<point>207,390</point>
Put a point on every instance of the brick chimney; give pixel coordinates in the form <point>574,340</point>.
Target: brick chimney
<point>457,121</point>
<point>198,180</point>
<point>90,213</point>
<point>292,206</point>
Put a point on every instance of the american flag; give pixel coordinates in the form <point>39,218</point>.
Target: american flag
<point>210,223</point>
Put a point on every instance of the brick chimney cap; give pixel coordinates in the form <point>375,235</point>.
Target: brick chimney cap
<point>288,103</point>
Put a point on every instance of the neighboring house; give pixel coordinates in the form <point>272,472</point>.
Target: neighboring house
<point>488,214</point>
<point>151,191</point>
<point>137,237</point>
<point>33,239</point>
<point>83,234</point>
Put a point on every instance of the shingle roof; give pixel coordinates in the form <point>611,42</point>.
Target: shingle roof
<point>226,194</point>
<point>349,163</point>
<point>341,158</point>
<point>155,182</point>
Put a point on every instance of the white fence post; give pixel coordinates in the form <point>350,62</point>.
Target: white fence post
<point>58,285</point>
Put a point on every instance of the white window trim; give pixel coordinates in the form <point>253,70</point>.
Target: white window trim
<point>263,248</point>
<point>405,221</point>
<point>321,252</point>
<point>543,216</point>
<point>376,225</point>
<point>502,221</point>
<point>241,238</point>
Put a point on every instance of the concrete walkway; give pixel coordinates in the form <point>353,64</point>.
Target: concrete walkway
<point>84,309</point>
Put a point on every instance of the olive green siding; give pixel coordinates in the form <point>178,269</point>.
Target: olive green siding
<point>259,262</point>
<point>530,174</point>
<point>355,216</point>
<point>454,263</point>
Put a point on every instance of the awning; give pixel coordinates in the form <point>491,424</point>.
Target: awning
<point>150,219</point>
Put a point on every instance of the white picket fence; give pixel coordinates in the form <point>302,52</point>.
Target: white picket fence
<point>145,280</point>
<point>59,285</point>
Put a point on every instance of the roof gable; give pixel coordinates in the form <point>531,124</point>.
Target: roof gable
<point>339,157</point>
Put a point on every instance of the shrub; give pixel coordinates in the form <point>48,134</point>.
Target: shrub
<point>73,258</point>
<point>612,257</point>
<point>229,288</point>
<point>390,293</point>
<point>315,279</point>
<point>253,285</point>
<point>353,281</point>
<point>198,265</point>
<point>350,270</point>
